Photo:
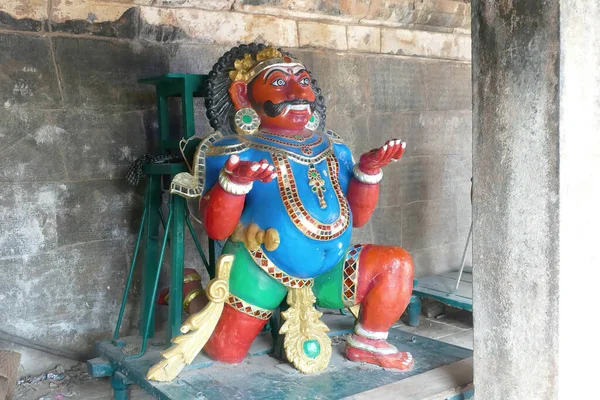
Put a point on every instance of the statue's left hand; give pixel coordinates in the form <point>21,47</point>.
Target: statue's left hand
<point>372,162</point>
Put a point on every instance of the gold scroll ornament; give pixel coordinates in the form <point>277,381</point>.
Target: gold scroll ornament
<point>306,343</point>
<point>197,328</point>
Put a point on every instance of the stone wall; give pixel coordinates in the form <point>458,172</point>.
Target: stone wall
<point>73,118</point>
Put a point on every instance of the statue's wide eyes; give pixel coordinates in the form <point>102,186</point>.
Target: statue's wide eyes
<point>304,81</point>
<point>278,82</point>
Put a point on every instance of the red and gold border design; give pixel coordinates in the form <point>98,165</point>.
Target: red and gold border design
<point>299,215</point>
<point>249,309</point>
<point>350,275</point>
<point>261,259</point>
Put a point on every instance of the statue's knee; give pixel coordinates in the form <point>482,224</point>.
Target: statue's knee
<point>395,261</point>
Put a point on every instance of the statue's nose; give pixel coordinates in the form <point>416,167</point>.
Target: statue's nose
<point>296,91</point>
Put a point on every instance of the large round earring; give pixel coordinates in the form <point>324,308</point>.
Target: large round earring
<point>313,122</point>
<point>246,121</point>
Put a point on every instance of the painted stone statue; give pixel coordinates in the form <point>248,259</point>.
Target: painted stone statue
<point>285,192</point>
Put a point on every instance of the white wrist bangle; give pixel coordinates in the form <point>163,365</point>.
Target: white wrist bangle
<point>232,187</point>
<point>367,178</point>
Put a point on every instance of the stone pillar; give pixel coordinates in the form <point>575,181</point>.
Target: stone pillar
<point>536,148</point>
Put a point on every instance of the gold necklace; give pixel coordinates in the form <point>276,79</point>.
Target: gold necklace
<point>306,148</point>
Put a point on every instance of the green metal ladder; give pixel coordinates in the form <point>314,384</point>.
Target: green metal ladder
<point>186,87</point>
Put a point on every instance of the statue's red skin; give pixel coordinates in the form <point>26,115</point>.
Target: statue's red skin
<point>222,210</point>
<point>386,273</point>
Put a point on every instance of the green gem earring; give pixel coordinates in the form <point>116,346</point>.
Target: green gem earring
<point>246,121</point>
<point>313,122</point>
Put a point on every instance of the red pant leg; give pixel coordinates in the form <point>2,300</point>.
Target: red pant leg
<point>233,336</point>
<point>385,282</point>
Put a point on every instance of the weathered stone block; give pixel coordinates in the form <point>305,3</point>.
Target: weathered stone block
<point>31,150</point>
<point>364,38</point>
<point>104,74</point>
<point>353,130</point>
<point>448,85</point>
<point>438,259</point>
<point>387,226</point>
<point>28,75</point>
<point>23,15</point>
<point>428,223</point>
<point>276,7</point>
<point>425,132</point>
<point>316,34</point>
<point>222,28</point>
<point>426,13</point>
<point>203,4</point>
<point>364,234</point>
<point>28,217</point>
<point>70,297</point>
<point>407,126</point>
<point>97,210</point>
<point>98,19</point>
<point>425,44</point>
<point>412,179</point>
<point>395,85</point>
<point>342,80</point>
<point>100,145</point>
<point>26,9</point>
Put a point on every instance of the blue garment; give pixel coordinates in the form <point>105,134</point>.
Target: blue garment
<point>298,254</point>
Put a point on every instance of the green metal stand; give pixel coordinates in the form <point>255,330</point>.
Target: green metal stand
<point>153,244</point>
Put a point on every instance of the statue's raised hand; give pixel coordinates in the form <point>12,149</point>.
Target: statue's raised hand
<point>242,172</point>
<point>372,161</point>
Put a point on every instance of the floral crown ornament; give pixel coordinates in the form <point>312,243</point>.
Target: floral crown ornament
<point>247,68</point>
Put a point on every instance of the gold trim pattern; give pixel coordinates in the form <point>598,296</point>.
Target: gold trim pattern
<point>186,184</point>
<point>249,309</point>
<point>306,160</point>
<point>248,143</point>
<point>299,215</point>
<point>226,150</point>
<point>306,148</point>
<point>261,259</point>
<point>189,297</point>
<point>191,278</point>
<point>333,137</point>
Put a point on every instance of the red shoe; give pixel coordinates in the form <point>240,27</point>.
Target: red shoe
<point>378,352</point>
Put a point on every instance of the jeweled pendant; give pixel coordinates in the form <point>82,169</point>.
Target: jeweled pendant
<point>317,184</point>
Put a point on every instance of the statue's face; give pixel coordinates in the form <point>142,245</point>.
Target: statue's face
<point>282,97</point>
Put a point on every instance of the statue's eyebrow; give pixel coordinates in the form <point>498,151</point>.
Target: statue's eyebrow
<point>301,71</point>
<point>274,70</point>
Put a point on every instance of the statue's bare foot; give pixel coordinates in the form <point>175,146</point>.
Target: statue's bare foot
<point>378,352</point>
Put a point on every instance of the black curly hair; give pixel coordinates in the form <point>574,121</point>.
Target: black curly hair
<point>219,108</point>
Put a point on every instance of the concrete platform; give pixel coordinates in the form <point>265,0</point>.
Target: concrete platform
<point>261,376</point>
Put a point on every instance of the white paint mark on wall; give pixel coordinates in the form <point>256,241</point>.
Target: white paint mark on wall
<point>125,153</point>
<point>32,225</point>
<point>22,89</point>
<point>48,134</point>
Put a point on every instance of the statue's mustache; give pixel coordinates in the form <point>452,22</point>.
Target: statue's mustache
<point>274,109</point>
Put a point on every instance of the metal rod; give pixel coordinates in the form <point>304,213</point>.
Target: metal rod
<point>464,258</point>
<point>156,278</point>
<point>132,267</point>
<point>195,238</point>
